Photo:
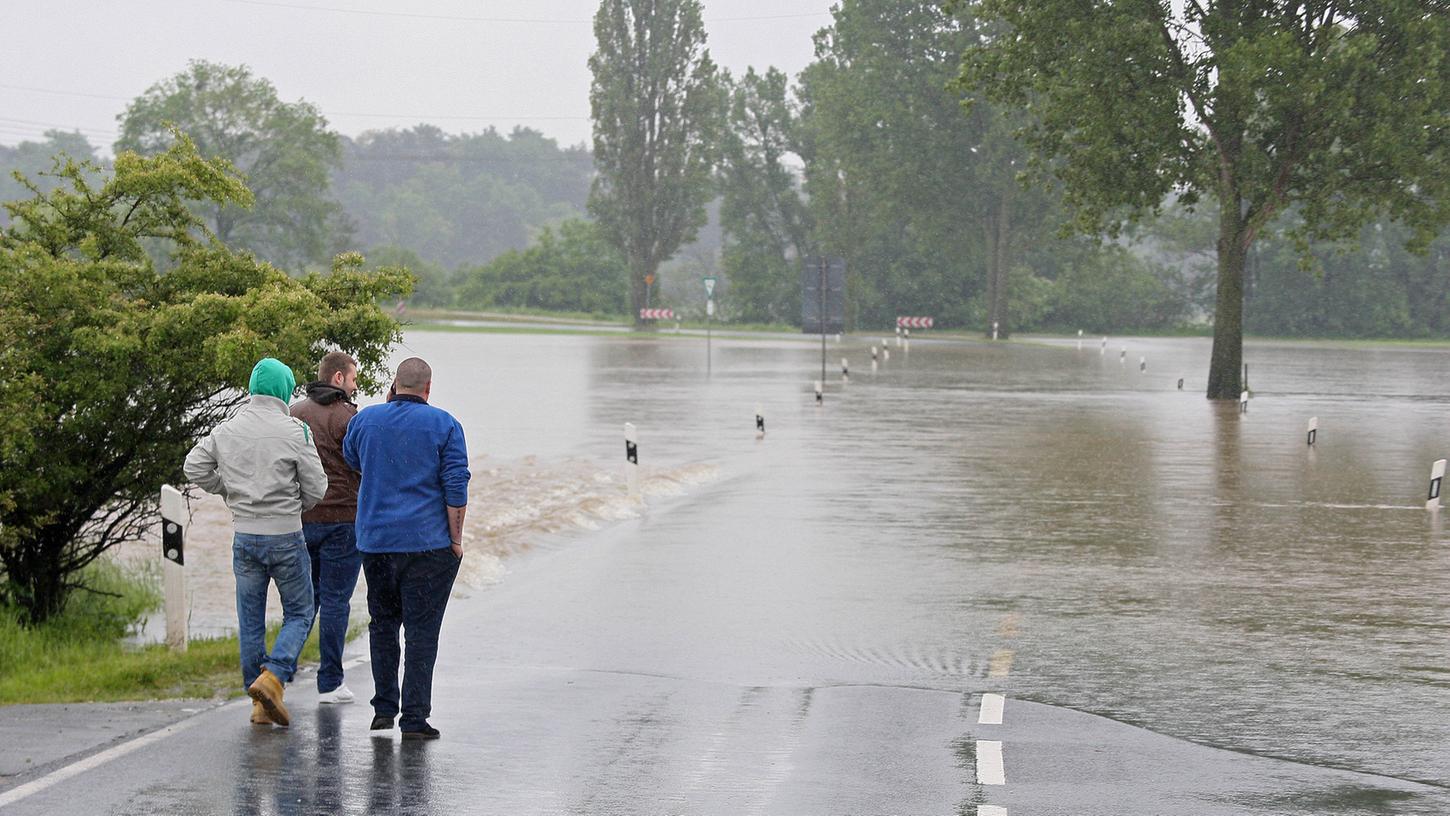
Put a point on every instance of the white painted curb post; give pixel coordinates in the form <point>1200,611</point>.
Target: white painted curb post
<point>845,371</point>
<point>174,523</point>
<point>1313,430</point>
<point>994,330</point>
<point>873,359</point>
<point>1104,350</point>
<point>1437,475</point>
<point>631,460</point>
<point>759,423</point>
<point>820,395</point>
<point>1244,402</point>
<point>1142,363</point>
<point>906,340</point>
<point>1079,339</point>
<point>898,337</point>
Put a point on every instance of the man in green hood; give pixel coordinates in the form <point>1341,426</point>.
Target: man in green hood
<point>265,465</point>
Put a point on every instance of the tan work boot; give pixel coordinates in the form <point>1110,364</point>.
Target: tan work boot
<point>259,714</point>
<point>267,690</point>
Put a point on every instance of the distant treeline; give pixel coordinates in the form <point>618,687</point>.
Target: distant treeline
<point>866,154</point>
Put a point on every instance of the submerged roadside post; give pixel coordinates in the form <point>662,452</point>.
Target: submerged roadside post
<point>631,460</point>
<point>845,371</point>
<point>1437,475</point>
<point>1313,430</point>
<point>1244,402</point>
<point>174,523</point>
<point>820,395</point>
<point>759,423</point>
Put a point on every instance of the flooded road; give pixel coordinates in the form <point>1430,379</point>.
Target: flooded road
<point>1186,609</point>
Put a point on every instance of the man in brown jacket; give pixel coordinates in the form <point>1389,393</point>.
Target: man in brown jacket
<point>328,527</point>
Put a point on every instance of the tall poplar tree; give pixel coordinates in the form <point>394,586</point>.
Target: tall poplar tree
<point>1336,109</point>
<point>657,103</point>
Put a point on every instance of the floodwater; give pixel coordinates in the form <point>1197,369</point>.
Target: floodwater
<point>1024,517</point>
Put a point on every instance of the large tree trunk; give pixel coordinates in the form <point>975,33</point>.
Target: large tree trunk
<point>1226,364</point>
<point>640,268</point>
<point>999,234</point>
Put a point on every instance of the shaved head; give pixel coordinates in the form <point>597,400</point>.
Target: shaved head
<point>413,375</point>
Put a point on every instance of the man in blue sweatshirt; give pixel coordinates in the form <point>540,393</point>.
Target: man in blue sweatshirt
<point>411,502</point>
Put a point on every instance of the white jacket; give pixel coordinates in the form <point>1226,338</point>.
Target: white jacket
<point>264,464</point>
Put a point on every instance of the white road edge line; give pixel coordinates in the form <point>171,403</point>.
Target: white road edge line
<point>991,810</point>
<point>14,795</point>
<point>35,786</point>
<point>989,763</point>
<point>992,705</point>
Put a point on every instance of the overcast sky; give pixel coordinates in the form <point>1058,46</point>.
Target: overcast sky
<point>460,64</point>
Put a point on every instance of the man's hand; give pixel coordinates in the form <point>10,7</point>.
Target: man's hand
<point>458,549</point>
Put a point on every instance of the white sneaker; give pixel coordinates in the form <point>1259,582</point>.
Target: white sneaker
<point>341,694</point>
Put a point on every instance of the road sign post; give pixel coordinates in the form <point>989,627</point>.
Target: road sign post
<point>709,314</point>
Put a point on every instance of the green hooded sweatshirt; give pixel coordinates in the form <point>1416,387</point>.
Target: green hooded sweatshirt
<point>270,377</point>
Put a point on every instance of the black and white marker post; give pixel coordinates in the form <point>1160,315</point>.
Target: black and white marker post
<point>820,395</point>
<point>1079,339</point>
<point>1244,402</point>
<point>759,423</point>
<point>1437,475</point>
<point>873,359</point>
<point>1313,430</point>
<point>709,319</point>
<point>1180,383</point>
<point>631,461</point>
<point>845,371</point>
<point>174,523</point>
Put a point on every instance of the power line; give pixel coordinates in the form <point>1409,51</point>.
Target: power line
<point>543,20</point>
<point>416,116</point>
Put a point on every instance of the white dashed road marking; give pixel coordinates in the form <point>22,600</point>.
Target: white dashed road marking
<point>991,709</point>
<point>989,763</point>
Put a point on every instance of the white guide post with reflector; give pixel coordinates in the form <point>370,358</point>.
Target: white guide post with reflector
<point>175,520</point>
<point>759,422</point>
<point>1313,430</point>
<point>631,460</point>
<point>820,394</point>
<point>1244,402</point>
<point>845,370</point>
<point>1437,475</point>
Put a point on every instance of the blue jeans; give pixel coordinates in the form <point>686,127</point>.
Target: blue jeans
<point>257,559</point>
<point>410,590</point>
<point>335,564</point>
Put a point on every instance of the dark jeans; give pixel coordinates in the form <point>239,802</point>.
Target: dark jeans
<point>335,564</point>
<point>409,590</point>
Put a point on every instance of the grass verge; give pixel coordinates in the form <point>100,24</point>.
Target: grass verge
<point>80,656</point>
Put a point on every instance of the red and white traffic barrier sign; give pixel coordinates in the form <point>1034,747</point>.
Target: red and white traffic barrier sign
<point>914,322</point>
<point>656,314</point>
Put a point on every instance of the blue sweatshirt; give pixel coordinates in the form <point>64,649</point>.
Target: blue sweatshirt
<point>414,466</point>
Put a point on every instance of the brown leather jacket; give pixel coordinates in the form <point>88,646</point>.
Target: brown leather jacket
<point>327,410</point>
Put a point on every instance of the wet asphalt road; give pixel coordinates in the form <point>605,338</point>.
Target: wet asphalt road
<point>814,630</point>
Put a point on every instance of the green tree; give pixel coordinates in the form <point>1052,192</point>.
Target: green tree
<point>895,167</point>
<point>284,150</point>
<point>573,270</point>
<point>34,161</point>
<point>1336,109</point>
<point>432,286</point>
<point>657,103</point>
<point>113,367</point>
<point>764,218</point>
<point>458,199</point>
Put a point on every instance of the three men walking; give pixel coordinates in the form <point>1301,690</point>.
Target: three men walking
<point>387,486</point>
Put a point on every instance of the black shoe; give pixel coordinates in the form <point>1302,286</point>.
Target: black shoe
<point>381,723</point>
<point>427,732</point>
